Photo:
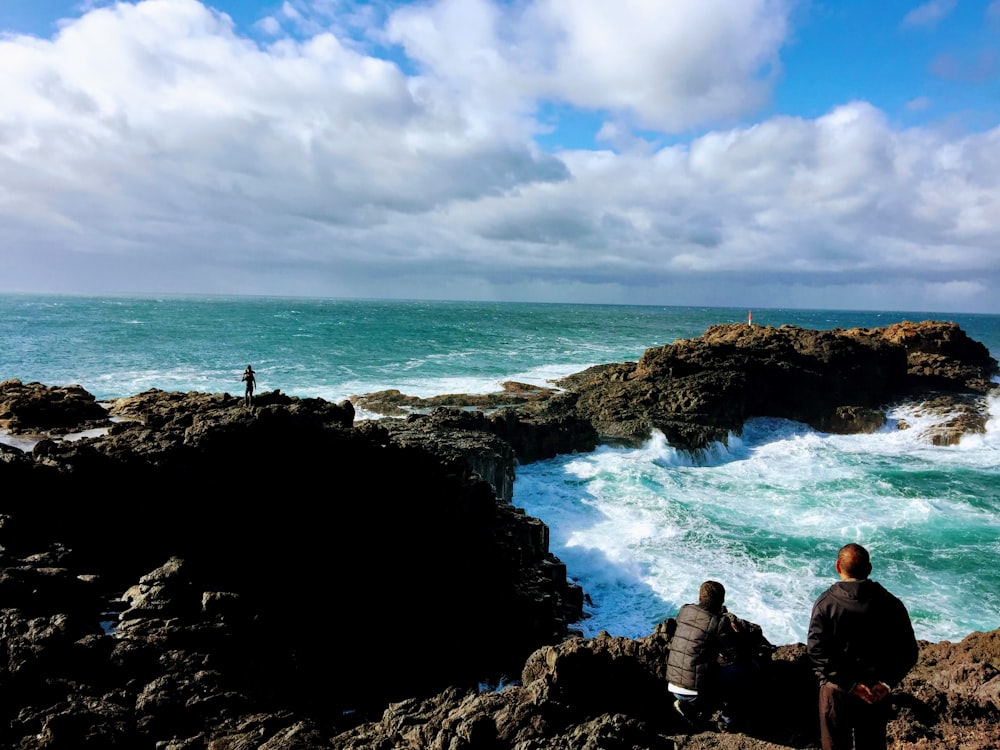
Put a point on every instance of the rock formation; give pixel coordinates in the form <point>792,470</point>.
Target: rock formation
<point>205,575</point>
<point>190,668</point>
<point>316,566</point>
<point>26,407</point>
<point>699,391</point>
<point>610,692</point>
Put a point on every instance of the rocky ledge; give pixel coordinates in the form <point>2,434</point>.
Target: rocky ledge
<point>196,574</point>
<point>191,667</point>
<point>698,391</point>
<point>272,560</point>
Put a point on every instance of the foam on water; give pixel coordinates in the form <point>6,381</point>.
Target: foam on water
<point>765,515</point>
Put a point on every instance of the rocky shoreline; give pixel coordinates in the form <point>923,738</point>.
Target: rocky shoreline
<point>203,575</point>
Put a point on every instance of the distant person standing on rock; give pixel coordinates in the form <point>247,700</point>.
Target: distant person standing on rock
<point>251,383</point>
<point>861,644</point>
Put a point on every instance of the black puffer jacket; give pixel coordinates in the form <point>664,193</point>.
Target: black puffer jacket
<point>700,637</point>
<point>859,632</point>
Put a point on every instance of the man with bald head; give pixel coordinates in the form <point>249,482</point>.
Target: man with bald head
<point>861,644</point>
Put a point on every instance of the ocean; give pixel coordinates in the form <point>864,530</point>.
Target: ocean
<point>638,529</point>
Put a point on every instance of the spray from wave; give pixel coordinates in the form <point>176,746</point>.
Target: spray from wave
<point>641,529</point>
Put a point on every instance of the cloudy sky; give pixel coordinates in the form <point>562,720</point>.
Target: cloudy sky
<point>753,153</point>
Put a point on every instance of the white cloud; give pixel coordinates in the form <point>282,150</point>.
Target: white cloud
<point>150,148</point>
<point>163,99</point>
<point>929,14</point>
<point>673,65</point>
<point>667,65</point>
<point>270,26</point>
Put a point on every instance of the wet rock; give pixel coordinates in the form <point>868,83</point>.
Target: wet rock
<point>394,403</point>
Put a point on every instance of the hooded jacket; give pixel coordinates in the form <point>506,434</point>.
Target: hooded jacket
<point>859,632</point>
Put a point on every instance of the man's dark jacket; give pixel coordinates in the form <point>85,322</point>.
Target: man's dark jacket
<point>859,632</point>
<point>700,637</point>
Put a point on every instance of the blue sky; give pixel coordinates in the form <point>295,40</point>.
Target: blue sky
<point>758,153</point>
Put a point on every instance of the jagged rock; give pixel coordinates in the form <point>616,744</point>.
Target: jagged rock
<point>611,692</point>
<point>851,420</point>
<point>461,439</point>
<point>29,407</point>
<point>165,592</point>
<point>522,416</point>
<point>538,434</point>
<point>383,536</point>
<point>393,403</point>
<point>701,390</point>
<point>939,356</point>
<point>956,415</point>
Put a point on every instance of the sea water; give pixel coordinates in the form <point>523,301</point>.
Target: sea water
<point>638,529</point>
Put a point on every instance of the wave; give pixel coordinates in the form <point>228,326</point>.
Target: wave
<point>765,514</point>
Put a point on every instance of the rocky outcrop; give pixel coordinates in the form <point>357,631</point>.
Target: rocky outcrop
<point>490,443</point>
<point>393,403</point>
<point>611,692</point>
<point>191,666</point>
<point>183,663</point>
<point>458,438</point>
<point>939,356</point>
<point>30,407</point>
<point>699,391</point>
<point>324,567</point>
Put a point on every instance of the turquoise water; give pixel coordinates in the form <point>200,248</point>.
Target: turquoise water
<point>638,529</point>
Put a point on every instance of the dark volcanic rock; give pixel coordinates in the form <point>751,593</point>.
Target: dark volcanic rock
<point>34,407</point>
<point>459,438</point>
<point>527,418</point>
<point>697,391</point>
<point>315,566</point>
<point>393,403</point>
<point>939,356</point>
<point>611,692</point>
<point>490,444</point>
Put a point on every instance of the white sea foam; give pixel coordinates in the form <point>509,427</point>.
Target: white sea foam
<point>426,387</point>
<point>641,529</point>
<point>20,442</point>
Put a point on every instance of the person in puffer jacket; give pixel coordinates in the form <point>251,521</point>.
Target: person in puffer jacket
<point>861,644</point>
<point>695,678</point>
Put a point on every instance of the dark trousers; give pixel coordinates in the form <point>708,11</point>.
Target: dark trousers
<point>848,723</point>
<point>732,690</point>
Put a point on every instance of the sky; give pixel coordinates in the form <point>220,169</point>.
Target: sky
<point>749,153</point>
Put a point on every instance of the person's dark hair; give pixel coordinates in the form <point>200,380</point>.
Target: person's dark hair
<point>854,561</point>
<point>711,596</point>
